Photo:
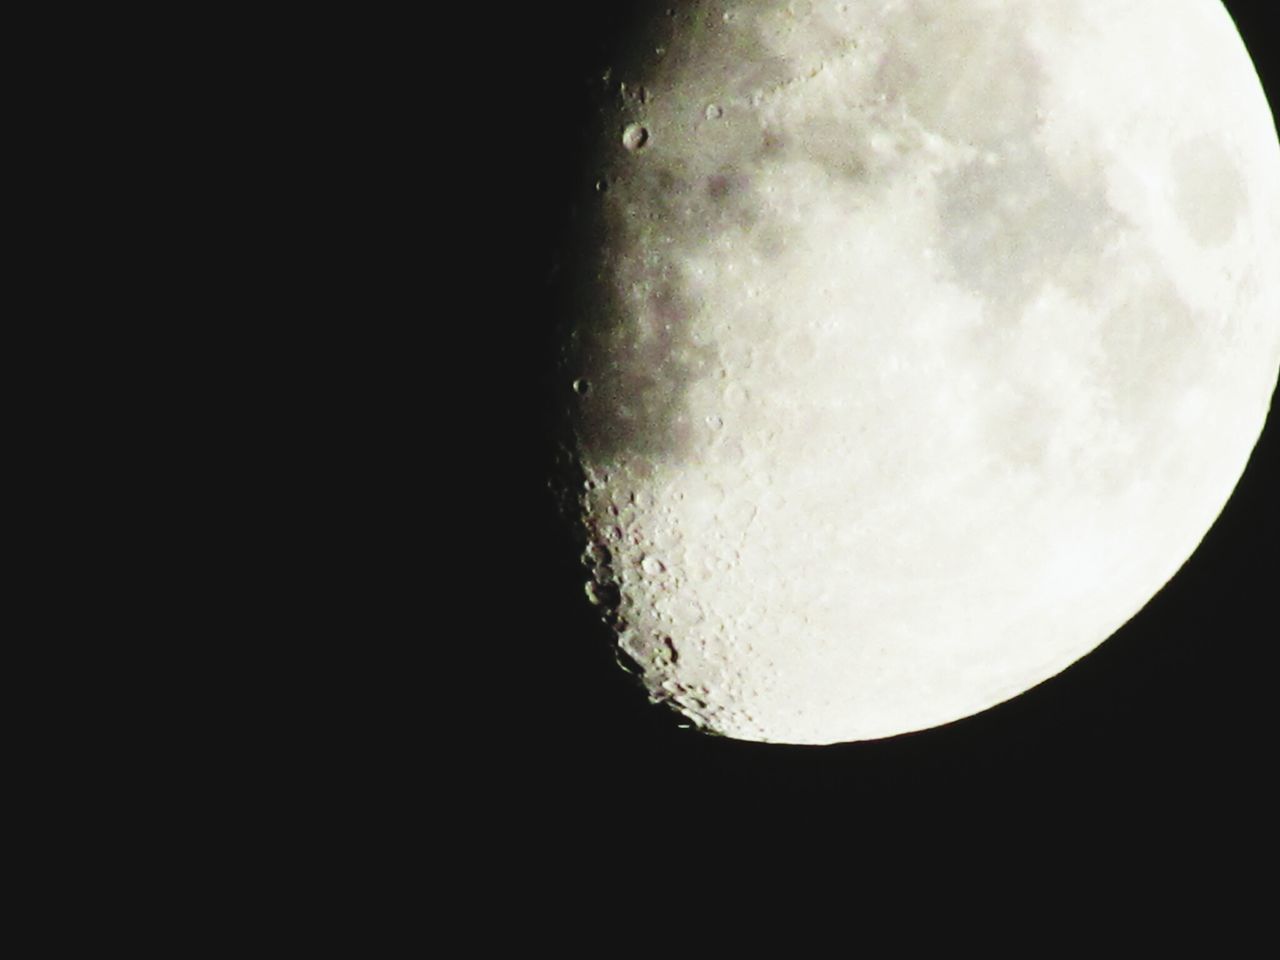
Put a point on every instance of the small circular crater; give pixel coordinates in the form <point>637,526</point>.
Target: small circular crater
<point>634,137</point>
<point>581,387</point>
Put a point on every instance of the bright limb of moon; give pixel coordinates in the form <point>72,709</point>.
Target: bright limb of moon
<point>922,341</point>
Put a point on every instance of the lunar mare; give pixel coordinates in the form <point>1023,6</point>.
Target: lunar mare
<point>920,342</point>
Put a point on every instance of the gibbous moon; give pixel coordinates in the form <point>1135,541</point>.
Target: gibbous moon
<point>916,344</point>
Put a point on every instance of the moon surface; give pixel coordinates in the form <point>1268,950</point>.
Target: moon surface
<point>916,344</point>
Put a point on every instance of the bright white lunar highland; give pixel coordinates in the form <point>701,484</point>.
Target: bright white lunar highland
<point>920,344</point>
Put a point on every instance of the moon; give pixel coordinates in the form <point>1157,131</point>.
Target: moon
<point>915,345</point>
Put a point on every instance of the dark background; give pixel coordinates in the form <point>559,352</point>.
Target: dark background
<point>1165,727</point>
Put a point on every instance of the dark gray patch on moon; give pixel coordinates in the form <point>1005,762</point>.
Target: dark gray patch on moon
<point>633,330</point>
<point>1010,221</point>
<point>1155,348</point>
<point>1209,192</point>
<point>839,147</point>
<point>732,201</point>
<point>638,356</point>
<point>1012,224</point>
